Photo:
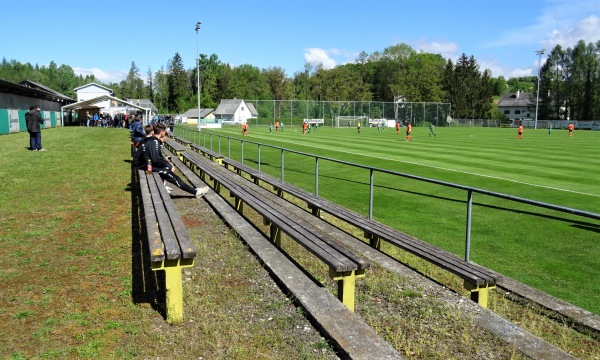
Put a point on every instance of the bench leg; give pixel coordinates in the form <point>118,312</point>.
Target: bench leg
<point>219,161</point>
<point>374,241</point>
<point>239,205</point>
<point>275,235</point>
<point>479,294</point>
<point>173,287</point>
<point>315,211</point>
<point>346,282</point>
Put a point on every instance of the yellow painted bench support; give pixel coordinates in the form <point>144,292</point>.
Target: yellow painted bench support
<point>179,155</point>
<point>173,286</point>
<point>239,205</point>
<point>346,282</point>
<point>479,294</point>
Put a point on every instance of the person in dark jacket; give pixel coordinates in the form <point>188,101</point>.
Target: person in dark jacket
<point>33,118</point>
<point>152,150</point>
<point>137,131</point>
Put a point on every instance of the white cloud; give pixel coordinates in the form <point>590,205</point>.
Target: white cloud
<point>316,56</point>
<point>106,77</point>
<point>448,50</point>
<point>587,30</point>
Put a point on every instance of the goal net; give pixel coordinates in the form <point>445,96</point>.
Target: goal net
<point>349,121</point>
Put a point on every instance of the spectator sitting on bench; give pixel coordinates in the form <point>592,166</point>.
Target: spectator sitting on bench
<point>153,151</point>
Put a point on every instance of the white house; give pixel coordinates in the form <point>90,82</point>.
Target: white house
<point>93,90</point>
<point>517,106</point>
<point>235,110</point>
<point>191,116</point>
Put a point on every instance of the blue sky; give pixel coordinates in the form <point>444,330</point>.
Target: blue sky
<point>104,37</point>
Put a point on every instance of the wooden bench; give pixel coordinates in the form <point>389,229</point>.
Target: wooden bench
<point>176,148</point>
<point>183,141</point>
<point>212,155</point>
<point>477,279</point>
<point>169,244</point>
<point>281,216</point>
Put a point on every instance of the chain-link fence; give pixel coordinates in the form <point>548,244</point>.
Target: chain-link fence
<point>293,112</point>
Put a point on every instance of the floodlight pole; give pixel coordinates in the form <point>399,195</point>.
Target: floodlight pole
<point>198,70</point>
<point>537,101</point>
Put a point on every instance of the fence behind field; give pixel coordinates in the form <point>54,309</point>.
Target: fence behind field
<point>293,112</point>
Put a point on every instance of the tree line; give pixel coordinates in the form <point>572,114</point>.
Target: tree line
<point>569,82</point>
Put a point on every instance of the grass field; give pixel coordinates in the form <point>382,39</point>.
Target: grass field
<point>549,250</point>
<point>71,284</point>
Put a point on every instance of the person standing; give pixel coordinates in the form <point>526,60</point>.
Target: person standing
<point>550,129</point>
<point>276,126</point>
<point>270,128</point>
<point>171,126</point>
<point>137,131</point>
<point>520,131</point>
<point>378,128</point>
<point>431,130</point>
<point>244,129</point>
<point>33,118</point>
<point>408,131</point>
<point>358,127</point>
<point>397,127</point>
<point>571,128</point>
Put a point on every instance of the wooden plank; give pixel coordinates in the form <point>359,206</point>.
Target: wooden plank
<point>179,229</point>
<point>439,257</point>
<point>154,240</point>
<point>302,232</point>
<point>172,251</point>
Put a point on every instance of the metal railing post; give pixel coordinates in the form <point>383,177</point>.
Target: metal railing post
<point>219,143</point>
<point>316,176</point>
<point>229,147</point>
<point>210,141</point>
<point>242,151</point>
<point>371,195</point>
<point>468,235</point>
<point>282,165</point>
<point>258,157</point>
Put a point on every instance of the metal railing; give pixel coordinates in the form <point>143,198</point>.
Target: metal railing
<point>196,136</point>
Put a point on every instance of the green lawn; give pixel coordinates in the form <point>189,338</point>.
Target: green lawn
<point>553,251</point>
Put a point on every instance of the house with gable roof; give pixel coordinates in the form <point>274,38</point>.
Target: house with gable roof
<point>517,106</point>
<point>235,111</point>
<point>92,90</point>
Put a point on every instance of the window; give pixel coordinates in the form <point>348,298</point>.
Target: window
<point>517,111</point>
<point>506,112</point>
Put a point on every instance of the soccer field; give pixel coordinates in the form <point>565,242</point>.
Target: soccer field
<point>553,251</point>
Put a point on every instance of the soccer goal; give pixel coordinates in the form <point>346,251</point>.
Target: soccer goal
<point>349,120</point>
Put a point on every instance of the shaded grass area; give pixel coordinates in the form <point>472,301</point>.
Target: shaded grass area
<point>72,286</point>
<point>539,247</point>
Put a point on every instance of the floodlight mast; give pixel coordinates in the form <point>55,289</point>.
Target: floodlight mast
<point>537,101</point>
<point>198,70</point>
